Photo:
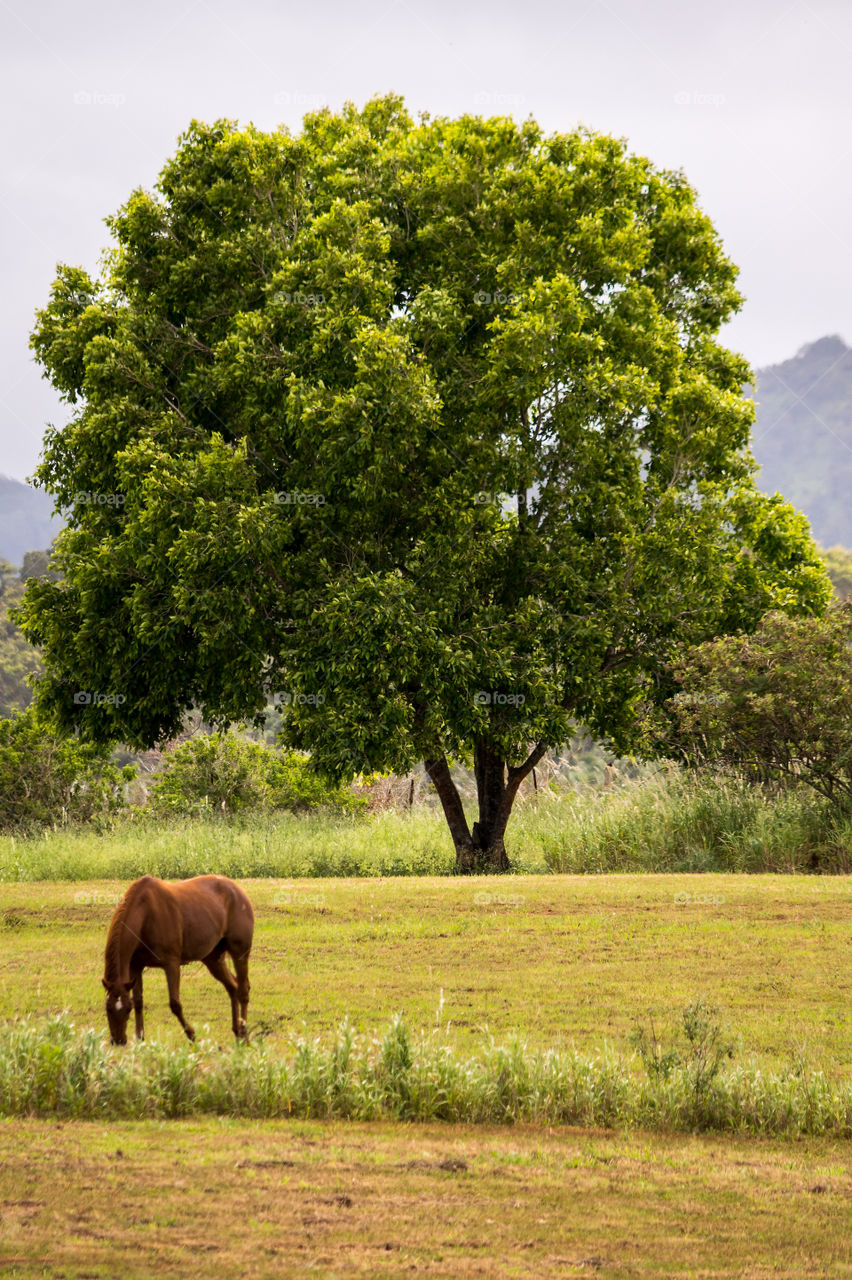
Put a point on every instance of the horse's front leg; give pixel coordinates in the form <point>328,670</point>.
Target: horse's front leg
<point>173,981</point>
<point>137,1006</point>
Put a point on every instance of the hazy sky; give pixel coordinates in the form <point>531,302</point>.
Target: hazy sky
<point>751,99</point>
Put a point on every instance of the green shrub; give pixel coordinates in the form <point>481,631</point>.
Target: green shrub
<point>775,706</point>
<point>222,772</point>
<point>46,780</point>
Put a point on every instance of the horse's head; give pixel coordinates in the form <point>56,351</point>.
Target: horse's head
<point>118,1006</point>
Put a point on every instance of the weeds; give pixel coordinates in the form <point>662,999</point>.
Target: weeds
<point>705,1048</point>
<point>51,1069</point>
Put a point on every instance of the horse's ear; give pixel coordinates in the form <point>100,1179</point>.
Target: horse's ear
<point>106,984</point>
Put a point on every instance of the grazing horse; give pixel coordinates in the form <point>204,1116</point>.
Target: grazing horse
<point>162,926</point>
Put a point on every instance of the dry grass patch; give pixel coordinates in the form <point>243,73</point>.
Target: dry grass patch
<point>285,1199</point>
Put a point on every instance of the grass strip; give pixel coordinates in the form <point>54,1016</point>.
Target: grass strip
<point>49,1068</point>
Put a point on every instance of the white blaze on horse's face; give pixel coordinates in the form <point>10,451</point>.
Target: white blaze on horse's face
<point>118,1006</point>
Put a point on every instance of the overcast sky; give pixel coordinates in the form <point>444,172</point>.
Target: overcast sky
<point>751,99</point>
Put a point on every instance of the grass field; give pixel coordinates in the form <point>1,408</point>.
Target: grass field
<point>241,1199</point>
<point>562,961</point>
<point>559,961</point>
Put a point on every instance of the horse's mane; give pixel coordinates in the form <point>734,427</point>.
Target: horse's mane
<point>112,953</point>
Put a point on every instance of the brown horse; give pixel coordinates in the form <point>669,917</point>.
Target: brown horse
<point>162,926</point>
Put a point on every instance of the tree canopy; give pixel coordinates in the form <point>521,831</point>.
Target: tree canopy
<point>420,426</point>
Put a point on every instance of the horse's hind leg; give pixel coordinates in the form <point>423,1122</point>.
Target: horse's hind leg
<point>173,981</point>
<point>241,959</point>
<point>216,964</point>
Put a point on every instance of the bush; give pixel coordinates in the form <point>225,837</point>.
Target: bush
<point>776,705</point>
<point>47,780</point>
<point>222,772</point>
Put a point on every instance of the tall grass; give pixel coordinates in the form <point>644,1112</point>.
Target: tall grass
<point>50,1069</point>
<point>670,822</point>
<point>681,822</point>
<point>279,844</point>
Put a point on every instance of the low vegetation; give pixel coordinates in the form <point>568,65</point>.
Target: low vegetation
<point>49,1069</point>
<point>663,822</point>
<point>225,773</point>
<point>775,705</point>
<point>46,778</point>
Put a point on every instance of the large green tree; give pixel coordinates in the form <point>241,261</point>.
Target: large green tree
<point>421,426</point>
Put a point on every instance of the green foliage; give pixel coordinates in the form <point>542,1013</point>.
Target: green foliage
<point>46,780</point>
<point>704,1046</point>
<point>225,773</point>
<point>838,561</point>
<point>18,659</point>
<point>421,425</point>
<point>776,705</point>
<point>50,1069</point>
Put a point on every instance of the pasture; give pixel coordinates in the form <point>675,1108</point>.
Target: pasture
<point>563,962</point>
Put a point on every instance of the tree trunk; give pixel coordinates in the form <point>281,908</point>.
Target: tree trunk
<point>484,848</point>
<point>439,771</point>
<point>489,769</point>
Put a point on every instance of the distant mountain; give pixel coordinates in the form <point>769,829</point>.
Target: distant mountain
<point>803,436</point>
<point>26,522</point>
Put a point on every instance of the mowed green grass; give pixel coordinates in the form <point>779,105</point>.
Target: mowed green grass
<point>560,960</point>
<point>293,1198</point>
